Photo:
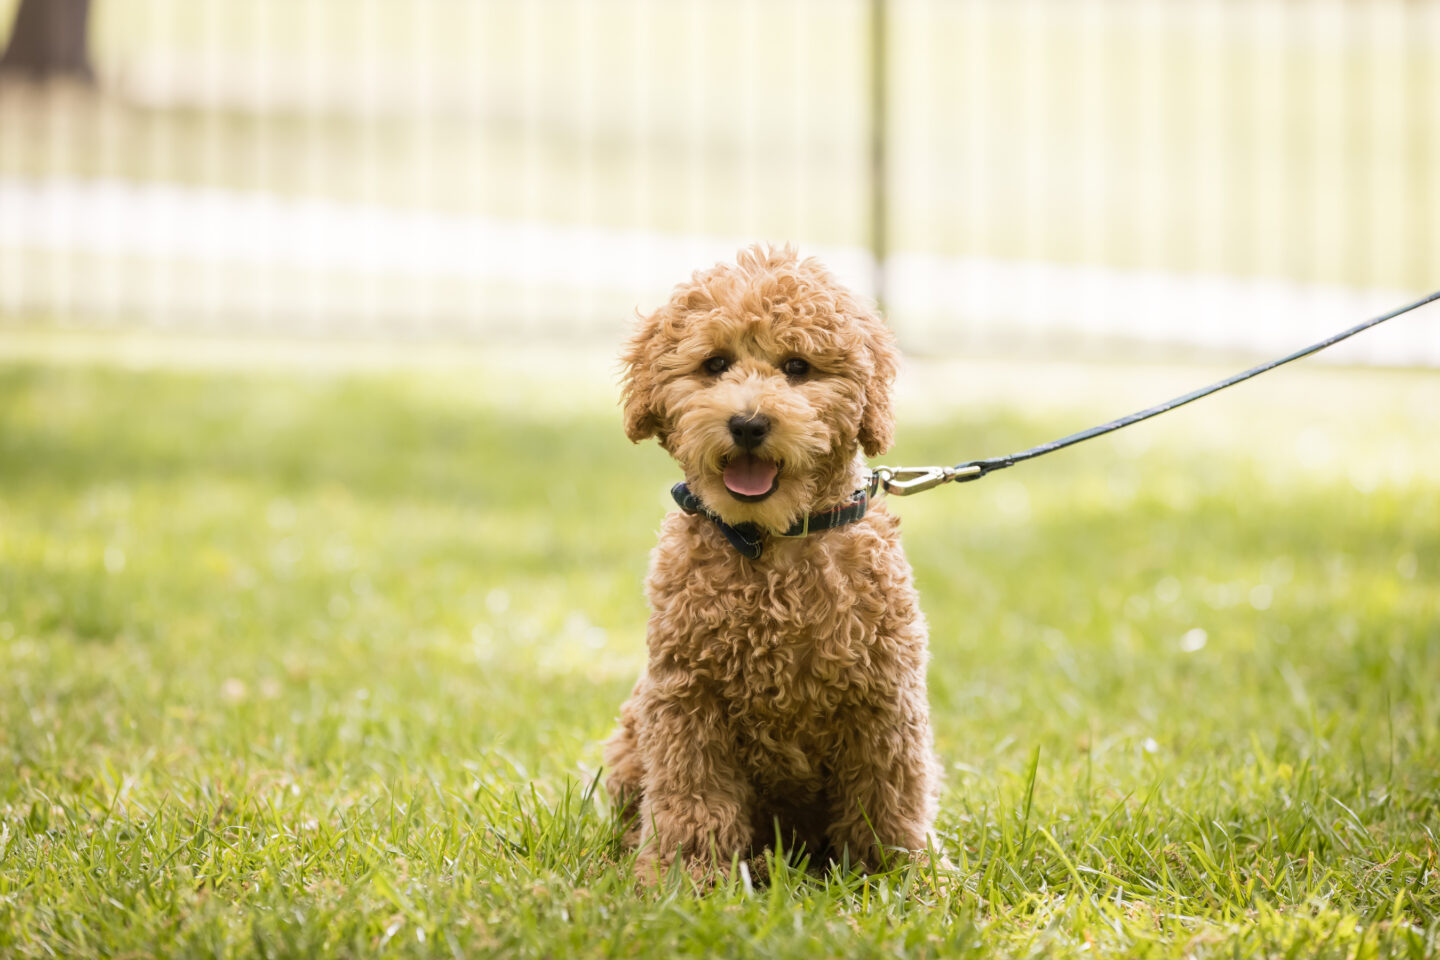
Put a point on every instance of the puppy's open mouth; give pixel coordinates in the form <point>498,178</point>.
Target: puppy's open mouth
<point>751,478</point>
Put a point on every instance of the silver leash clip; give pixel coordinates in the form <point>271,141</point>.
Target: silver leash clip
<point>903,481</point>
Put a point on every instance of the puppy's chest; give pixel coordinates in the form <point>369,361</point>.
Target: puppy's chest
<point>789,671</point>
<point>790,649</point>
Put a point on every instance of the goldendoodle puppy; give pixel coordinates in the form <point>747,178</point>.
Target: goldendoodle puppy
<point>785,685</point>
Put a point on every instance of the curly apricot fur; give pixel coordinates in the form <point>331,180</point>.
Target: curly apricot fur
<point>786,692</point>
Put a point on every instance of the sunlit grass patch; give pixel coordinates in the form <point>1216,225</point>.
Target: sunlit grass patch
<point>311,663</point>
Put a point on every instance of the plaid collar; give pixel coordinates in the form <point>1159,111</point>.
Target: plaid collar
<point>749,539</point>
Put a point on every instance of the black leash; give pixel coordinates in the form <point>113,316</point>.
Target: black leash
<point>901,481</point>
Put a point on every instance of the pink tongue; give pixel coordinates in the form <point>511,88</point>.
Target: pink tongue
<point>750,476</point>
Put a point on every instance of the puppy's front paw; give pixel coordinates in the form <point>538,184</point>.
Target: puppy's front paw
<point>655,870</point>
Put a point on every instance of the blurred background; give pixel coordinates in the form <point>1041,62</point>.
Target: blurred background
<point>315,505</point>
<point>1023,178</point>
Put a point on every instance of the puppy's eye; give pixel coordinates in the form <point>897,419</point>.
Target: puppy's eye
<point>795,367</point>
<point>716,365</point>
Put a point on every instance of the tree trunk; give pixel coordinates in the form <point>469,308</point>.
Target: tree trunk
<point>49,40</point>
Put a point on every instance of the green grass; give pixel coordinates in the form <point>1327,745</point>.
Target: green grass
<point>315,663</point>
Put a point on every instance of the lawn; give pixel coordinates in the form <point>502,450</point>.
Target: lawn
<point>298,662</point>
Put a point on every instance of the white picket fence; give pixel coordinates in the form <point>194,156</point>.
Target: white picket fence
<point>99,252</point>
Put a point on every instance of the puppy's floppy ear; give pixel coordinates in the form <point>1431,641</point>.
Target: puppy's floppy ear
<point>638,379</point>
<point>877,422</point>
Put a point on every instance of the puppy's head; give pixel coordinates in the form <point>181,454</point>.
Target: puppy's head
<point>762,378</point>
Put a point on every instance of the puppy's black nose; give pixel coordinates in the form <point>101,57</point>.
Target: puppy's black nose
<point>749,430</point>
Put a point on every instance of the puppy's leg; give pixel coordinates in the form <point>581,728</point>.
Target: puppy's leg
<point>696,804</point>
<point>885,783</point>
<point>626,766</point>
